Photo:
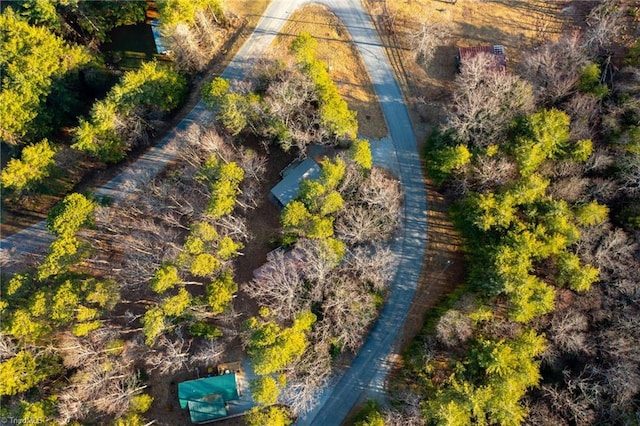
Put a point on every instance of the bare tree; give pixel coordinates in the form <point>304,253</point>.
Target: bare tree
<point>194,44</point>
<point>134,127</point>
<point>288,113</point>
<point>168,356</point>
<point>604,23</point>
<point>411,413</point>
<point>427,38</point>
<point>612,251</point>
<point>600,160</point>
<point>575,401</point>
<point>187,52</point>
<point>585,110</point>
<point>554,69</point>
<point>569,332</point>
<point>315,260</point>
<point>71,406</point>
<point>372,209</point>
<point>234,227</point>
<point>380,190</point>
<point>569,189</point>
<point>8,348</point>
<point>371,265</point>
<point>308,378</point>
<point>351,182</point>
<point>629,176</point>
<point>394,417</point>
<point>279,285</point>
<point>358,224</point>
<point>488,173</point>
<point>348,310</point>
<point>541,414</point>
<point>138,239</point>
<point>116,400</point>
<point>208,353</point>
<point>454,328</point>
<point>485,100</point>
<point>102,387</point>
<point>564,169</point>
<point>622,380</point>
<point>76,352</point>
<point>254,167</point>
<point>289,94</point>
<point>201,143</point>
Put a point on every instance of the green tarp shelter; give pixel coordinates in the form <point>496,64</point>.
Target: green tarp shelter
<point>207,408</point>
<point>206,397</point>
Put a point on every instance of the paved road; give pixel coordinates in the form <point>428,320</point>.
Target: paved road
<point>366,375</point>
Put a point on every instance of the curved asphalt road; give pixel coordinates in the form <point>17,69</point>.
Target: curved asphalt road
<point>366,375</point>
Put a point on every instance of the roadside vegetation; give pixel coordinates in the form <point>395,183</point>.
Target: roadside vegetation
<point>345,67</point>
<point>321,290</point>
<point>537,166</point>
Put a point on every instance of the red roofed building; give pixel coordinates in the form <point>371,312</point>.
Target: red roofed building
<point>497,52</point>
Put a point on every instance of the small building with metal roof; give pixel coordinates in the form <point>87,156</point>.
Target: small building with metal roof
<point>287,189</point>
<point>207,398</point>
<point>496,52</point>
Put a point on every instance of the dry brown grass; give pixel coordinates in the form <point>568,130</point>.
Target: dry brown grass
<point>519,25</point>
<point>345,65</point>
<point>249,13</point>
<point>249,9</point>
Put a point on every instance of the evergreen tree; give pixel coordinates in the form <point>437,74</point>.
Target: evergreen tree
<point>33,167</point>
<point>273,348</point>
<point>33,60</point>
<point>220,292</point>
<point>152,87</point>
<point>165,278</point>
<point>21,372</point>
<point>265,390</point>
<point>272,416</point>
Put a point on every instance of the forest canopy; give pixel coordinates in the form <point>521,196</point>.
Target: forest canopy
<point>35,66</point>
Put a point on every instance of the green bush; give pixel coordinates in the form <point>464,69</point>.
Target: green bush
<point>590,81</point>
<point>205,330</point>
<point>33,167</point>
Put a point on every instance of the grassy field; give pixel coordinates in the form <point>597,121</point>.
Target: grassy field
<point>345,65</point>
